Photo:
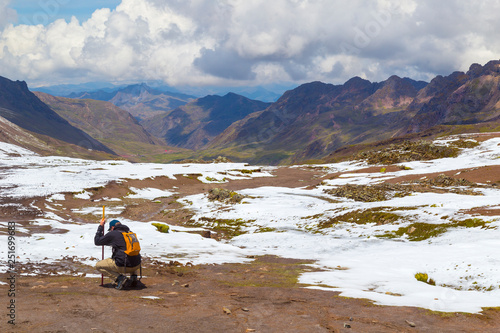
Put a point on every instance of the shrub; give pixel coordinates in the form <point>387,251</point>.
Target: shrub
<point>224,195</point>
<point>424,277</point>
<point>161,227</point>
<point>407,151</point>
<point>369,193</point>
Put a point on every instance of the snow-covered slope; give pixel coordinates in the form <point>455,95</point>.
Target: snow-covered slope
<point>358,259</point>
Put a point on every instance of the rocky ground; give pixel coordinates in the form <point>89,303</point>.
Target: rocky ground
<point>260,296</point>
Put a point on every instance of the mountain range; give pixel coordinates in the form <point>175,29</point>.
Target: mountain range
<point>140,100</point>
<point>315,119</point>
<point>307,123</point>
<point>265,93</point>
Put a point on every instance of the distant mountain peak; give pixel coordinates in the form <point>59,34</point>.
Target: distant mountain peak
<point>195,124</point>
<point>356,80</point>
<point>394,78</point>
<point>490,68</point>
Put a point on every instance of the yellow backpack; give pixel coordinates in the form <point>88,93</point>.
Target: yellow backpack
<point>132,242</point>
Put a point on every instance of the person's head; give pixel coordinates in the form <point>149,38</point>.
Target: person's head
<point>113,224</point>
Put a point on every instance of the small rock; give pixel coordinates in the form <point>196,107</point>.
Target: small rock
<point>412,230</point>
<point>38,287</point>
<point>175,283</point>
<point>249,330</point>
<point>244,309</point>
<point>226,310</point>
<point>346,325</point>
<point>185,285</point>
<point>412,324</point>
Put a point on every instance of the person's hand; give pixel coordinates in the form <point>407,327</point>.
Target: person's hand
<point>103,221</point>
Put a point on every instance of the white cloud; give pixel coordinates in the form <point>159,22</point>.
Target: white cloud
<point>7,15</point>
<point>237,41</point>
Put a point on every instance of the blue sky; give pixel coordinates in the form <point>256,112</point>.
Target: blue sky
<point>47,11</point>
<point>243,42</point>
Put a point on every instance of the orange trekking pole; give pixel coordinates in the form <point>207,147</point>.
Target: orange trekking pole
<point>102,275</point>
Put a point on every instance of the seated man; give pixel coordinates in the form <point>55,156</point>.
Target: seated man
<point>119,263</point>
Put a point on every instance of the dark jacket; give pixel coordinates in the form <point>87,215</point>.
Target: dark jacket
<point>115,239</point>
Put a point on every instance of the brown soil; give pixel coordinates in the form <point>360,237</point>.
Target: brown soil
<point>260,296</point>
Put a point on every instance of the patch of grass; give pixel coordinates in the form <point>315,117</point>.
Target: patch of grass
<point>248,171</point>
<point>265,229</point>
<point>471,223</point>
<point>228,228</point>
<point>215,180</point>
<point>443,180</point>
<point>407,151</point>
<point>223,195</point>
<point>161,227</point>
<point>193,175</point>
<point>312,217</point>
<point>394,209</point>
<point>443,314</point>
<point>424,277</point>
<point>492,308</point>
<point>369,193</point>
<point>321,285</point>
<point>386,191</point>
<point>464,143</point>
<point>375,215</point>
<point>420,231</point>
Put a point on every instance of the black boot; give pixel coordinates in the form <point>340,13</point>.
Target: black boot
<point>133,280</point>
<point>120,282</point>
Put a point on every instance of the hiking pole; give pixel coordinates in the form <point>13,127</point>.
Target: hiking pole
<point>102,275</point>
